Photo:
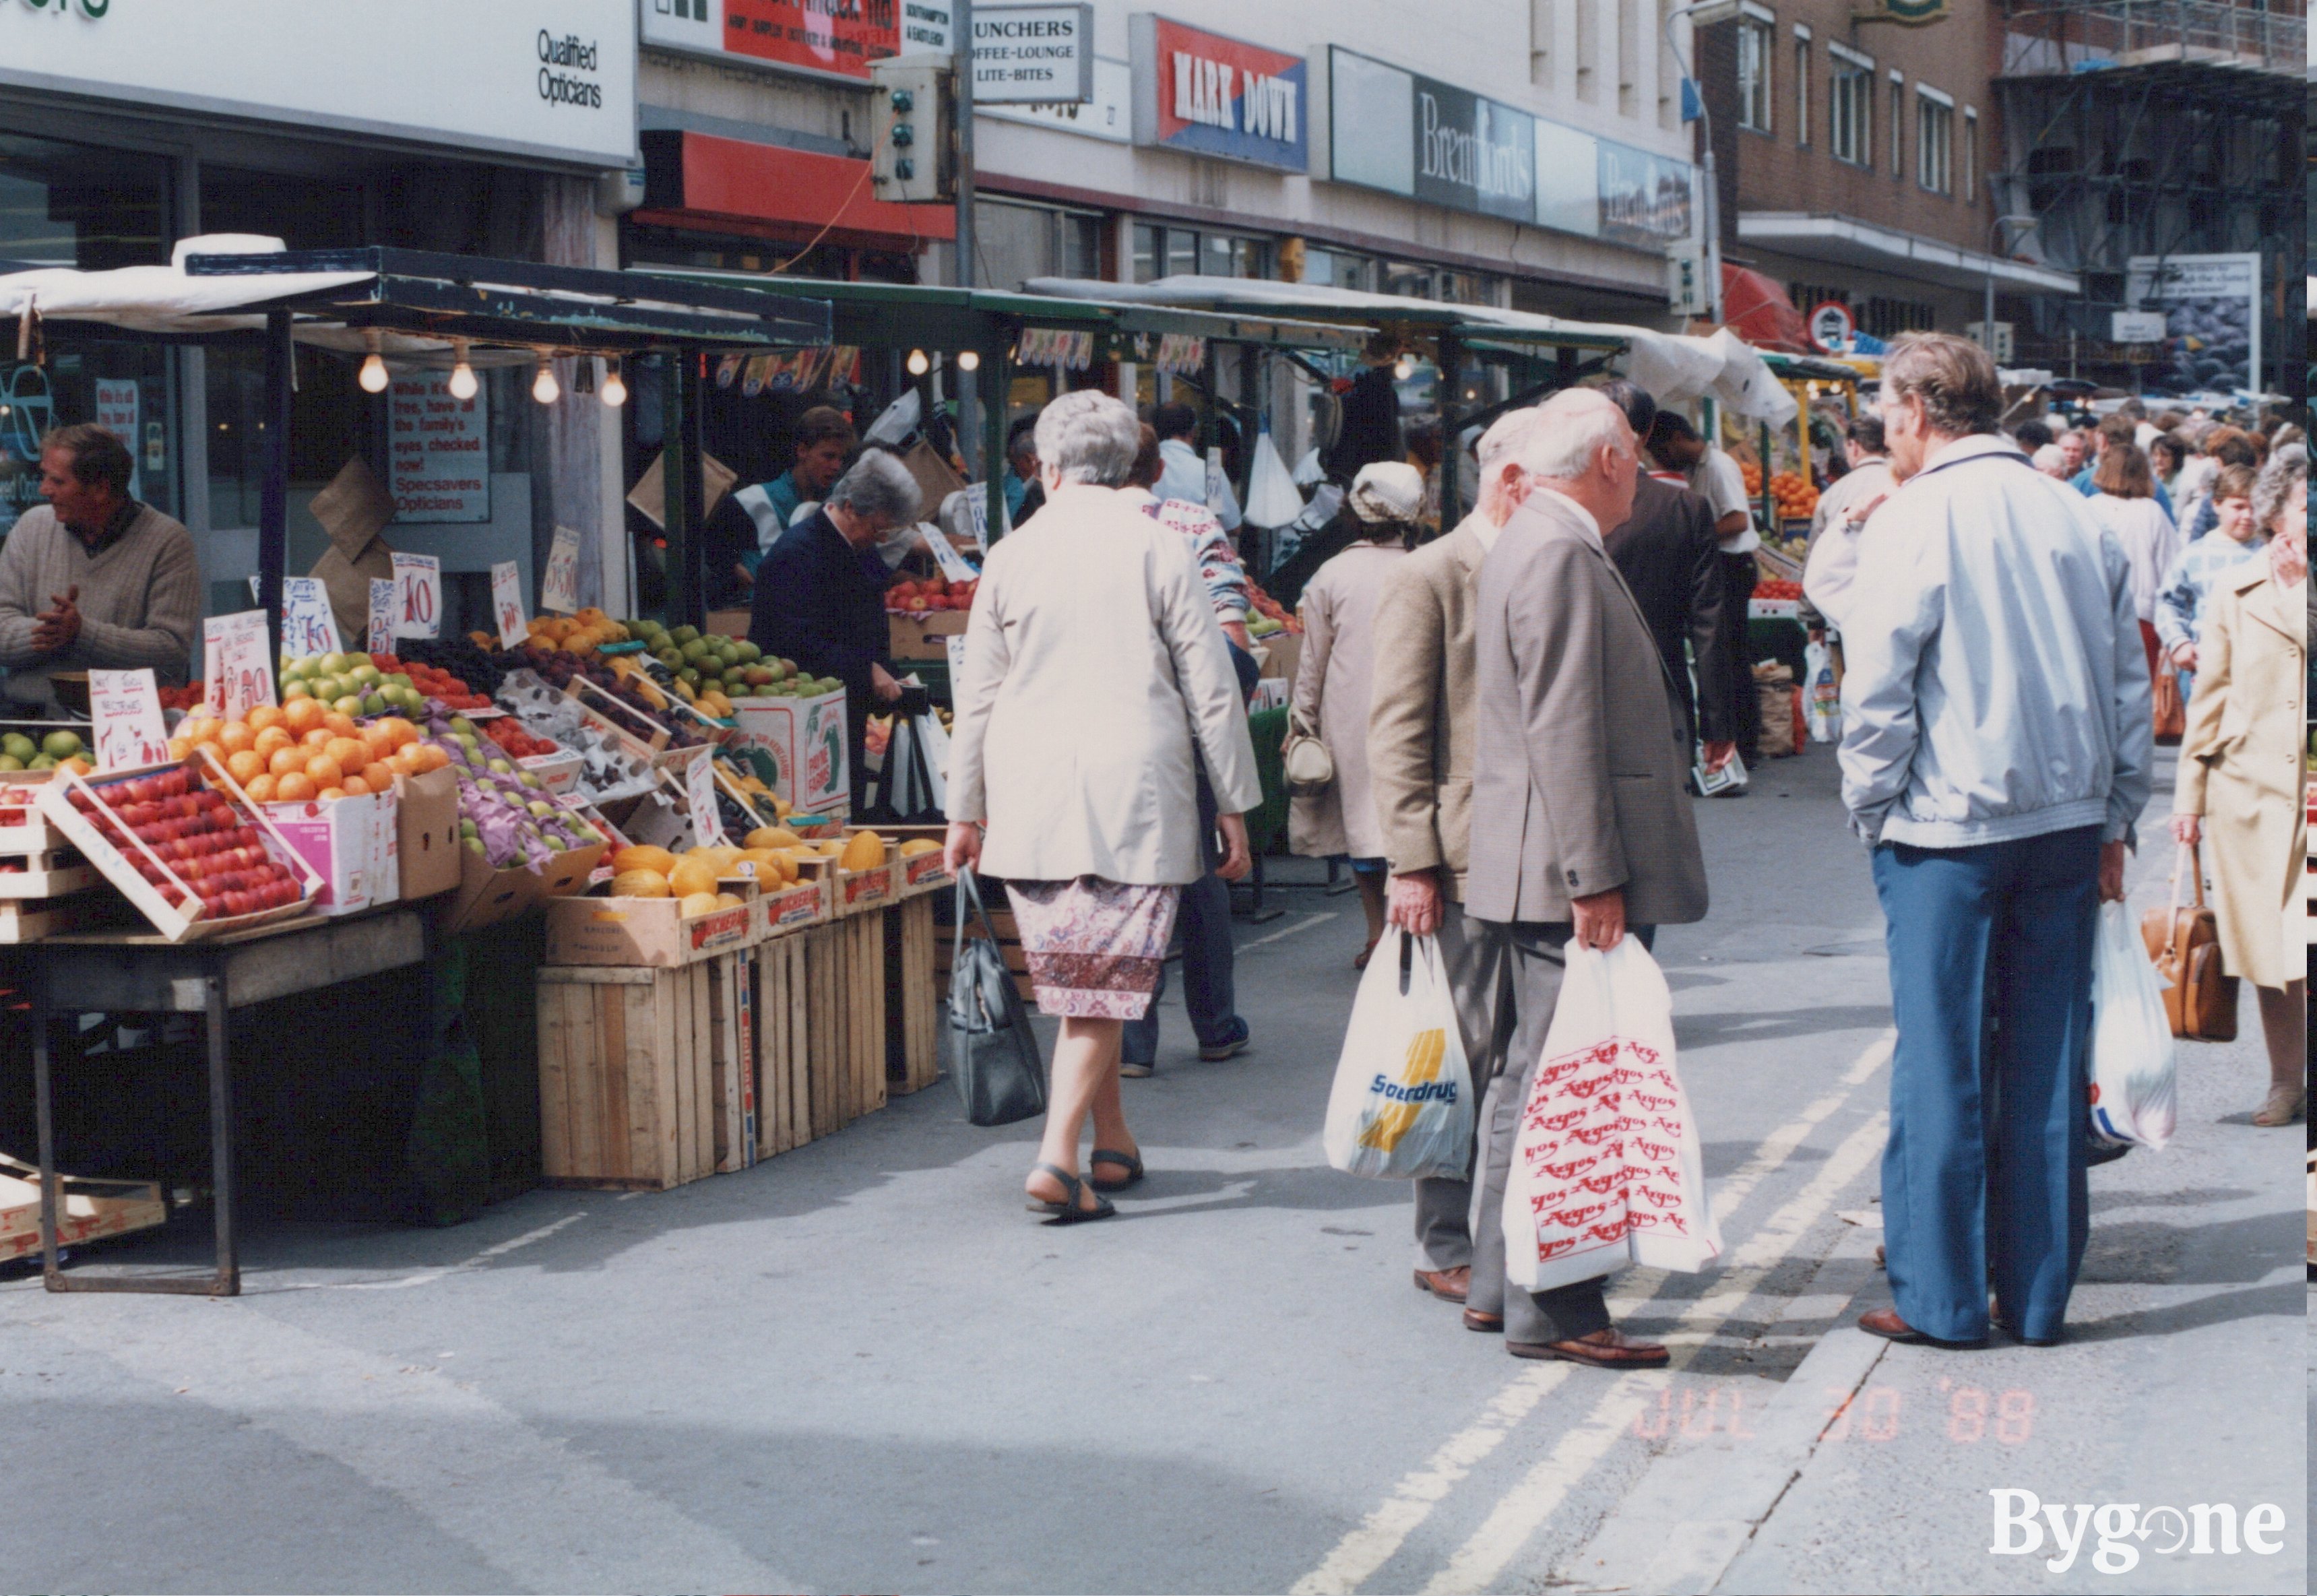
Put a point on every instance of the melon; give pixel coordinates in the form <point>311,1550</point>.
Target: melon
<point>638,883</point>
<point>863,850</point>
<point>773,836</point>
<point>657,859</point>
<point>698,902</point>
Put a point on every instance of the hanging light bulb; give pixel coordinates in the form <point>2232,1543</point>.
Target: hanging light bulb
<point>614,391</point>
<point>462,375</point>
<point>918,364</point>
<point>373,368</point>
<point>543,387</point>
<point>969,360</point>
<point>1405,369</point>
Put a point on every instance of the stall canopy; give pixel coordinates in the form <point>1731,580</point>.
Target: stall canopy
<point>424,310</point>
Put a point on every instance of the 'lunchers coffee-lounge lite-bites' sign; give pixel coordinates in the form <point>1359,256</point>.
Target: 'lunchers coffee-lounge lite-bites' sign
<point>544,78</point>
<point>1407,135</point>
<point>1211,95</point>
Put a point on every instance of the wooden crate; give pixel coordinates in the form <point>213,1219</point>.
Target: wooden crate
<point>845,1050</point>
<point>92,1209</point>
<point>912,1008</point>
<point>1009,946</point>
<point>732,1026</point>
<point>46,873</point>
<point>626,1075</point>
<point>783,1029</point>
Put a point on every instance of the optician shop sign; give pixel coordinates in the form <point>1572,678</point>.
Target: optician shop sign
<point>1394,130</point>
<point>1211,95</point>
<point>552,78</point>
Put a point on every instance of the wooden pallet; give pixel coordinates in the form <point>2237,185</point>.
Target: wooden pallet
<point>46,873</point>
<point>782,1020</point>
<point>912,1010</point>
<point>627,1074</point>
<point>1009,948</point>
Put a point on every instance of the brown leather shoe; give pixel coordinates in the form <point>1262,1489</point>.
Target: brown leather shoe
<point>1887,1324</point>
<point>1603,1348</point>
<point>1449,1285</point>
<point>1486,1323</point>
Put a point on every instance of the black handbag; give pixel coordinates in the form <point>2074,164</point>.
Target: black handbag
<point>993,1056</point>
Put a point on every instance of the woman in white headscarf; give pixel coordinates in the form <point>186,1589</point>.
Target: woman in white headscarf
<point>1332,680</point>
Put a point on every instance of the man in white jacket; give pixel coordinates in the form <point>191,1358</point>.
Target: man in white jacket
<point>1185,476</point>
<point>1996,753</point>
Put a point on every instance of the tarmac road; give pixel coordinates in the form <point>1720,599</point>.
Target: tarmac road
<point>862,1366</point>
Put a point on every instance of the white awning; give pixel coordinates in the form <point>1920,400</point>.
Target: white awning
<point>1849,242</point>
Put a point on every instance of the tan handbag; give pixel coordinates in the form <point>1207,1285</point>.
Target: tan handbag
<point>1305,764</point>
<point>2184,939</point>
<point>2171,715</point>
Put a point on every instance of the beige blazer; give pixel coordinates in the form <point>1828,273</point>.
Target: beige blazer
<point>1333,680</point>
<point>1093,659</point>
<point>2240,769</point>
<point>1577,778</point>
<point>1420,706</point>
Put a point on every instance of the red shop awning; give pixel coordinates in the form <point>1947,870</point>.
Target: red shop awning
<point>1757,310</point>
<point>703,179</point>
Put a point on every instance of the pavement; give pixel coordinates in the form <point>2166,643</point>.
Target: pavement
<point>862,1366</point>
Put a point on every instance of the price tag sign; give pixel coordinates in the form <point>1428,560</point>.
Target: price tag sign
<point>307,626</point>
<point>977,504</point>
<point>699,792</point>
<point>558,588</point>
<point>125,707</point>
<point>382,615</point>
<point>953,565</point>
<point>956,646</point>
<point>240,669</point>
<point>417,595</point>
<point>507,603</point>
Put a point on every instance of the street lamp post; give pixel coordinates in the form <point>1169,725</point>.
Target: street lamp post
<point>2026,225</point>
<point>1704,14</point>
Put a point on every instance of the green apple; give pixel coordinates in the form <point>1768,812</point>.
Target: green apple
<point>18,744</point>
<point>9,762</point>
<point>373,704</point>
<point>347,704</point>
<point>60,745</point>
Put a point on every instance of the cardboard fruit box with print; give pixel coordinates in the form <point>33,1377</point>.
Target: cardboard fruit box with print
<point>805,739</point>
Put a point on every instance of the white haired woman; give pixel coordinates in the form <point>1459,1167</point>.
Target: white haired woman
<point>1333,677</point>
<point>1095,678</point>
<point>2238,788</point>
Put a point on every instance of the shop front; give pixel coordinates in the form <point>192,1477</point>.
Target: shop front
<point>482,135</point>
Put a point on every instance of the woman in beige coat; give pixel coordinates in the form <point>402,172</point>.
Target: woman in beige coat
<point>1333,678</point>
<point>2240,782</point>
<point>1095,673</point>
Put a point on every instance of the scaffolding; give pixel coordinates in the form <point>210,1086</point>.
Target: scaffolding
<point>2151,128</point>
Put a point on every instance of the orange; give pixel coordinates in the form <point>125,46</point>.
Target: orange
<point>261,789</point>
<point>235,737</point>
<point>263,717</point>
<point>340,726</point>
<point>350,752</point>
<point>380,738</point>
<point>293,789</point>
<point>405,733</point>
<point>180,747</point>
<point>272,738</point>
<point>198,729</point>
<point>284,759</point>
<point>323,770</point>
<point>353,786</point>
<point>303,715</point>
<point>377,775</point>
<point>245,765</point>
<point>318,738</point>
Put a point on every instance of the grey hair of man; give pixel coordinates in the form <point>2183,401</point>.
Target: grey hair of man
<point>1570,431</point>
<point>1088,437</point>
<point>879,488</point>
<point>2288,468</point>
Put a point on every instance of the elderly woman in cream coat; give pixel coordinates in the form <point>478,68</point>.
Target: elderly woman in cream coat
<point>2238,791</point>
<point>1095,674</point>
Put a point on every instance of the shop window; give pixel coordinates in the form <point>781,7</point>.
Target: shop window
<point>1934,144</point>
<point>1897,127</point>
<point>1887,319</point>
<point>1850,113</point>
<point>1755,41</point>
<point>1969,155</point>
<point>1150,261</point>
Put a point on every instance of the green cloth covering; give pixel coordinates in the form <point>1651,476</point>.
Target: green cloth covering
<point>1267,827</point>
<point>448,1146</point>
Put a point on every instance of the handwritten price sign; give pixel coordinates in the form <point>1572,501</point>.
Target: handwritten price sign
<point>507,603</point>
<point>125,707</point>
<point>240,666</point>
<point>382,615</point>
<point>417,595</point>
<point>558,588</point>
<point>307,626</point>
<point>953,565</point>
<point>700,791</point>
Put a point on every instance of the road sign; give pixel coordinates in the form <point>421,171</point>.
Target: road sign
<point>1832,326</point>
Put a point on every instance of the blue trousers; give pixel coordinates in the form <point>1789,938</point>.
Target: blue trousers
<point>1991,984</point>
<point>1209,990</point>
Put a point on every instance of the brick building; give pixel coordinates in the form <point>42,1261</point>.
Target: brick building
<point>1853,161</point>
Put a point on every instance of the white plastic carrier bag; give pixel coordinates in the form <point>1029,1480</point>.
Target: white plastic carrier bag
<point>1821,696</point>
<point>1607,1170</point>
<point>1401,1106</point>
<point>2133,1091</point>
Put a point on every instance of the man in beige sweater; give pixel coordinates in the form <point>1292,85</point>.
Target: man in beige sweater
<point>1420,746</point>
<point>93,579</point>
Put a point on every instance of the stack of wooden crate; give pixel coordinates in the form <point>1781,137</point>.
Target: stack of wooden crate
<point>46,887</point>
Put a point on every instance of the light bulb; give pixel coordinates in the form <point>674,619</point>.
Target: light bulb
<point>373,375</point>
<point>544,387</point>
<point>918,364</point>
<point>969,360</point>
<point>1405,369</point>
<point>614,391</point>
<point>462,381</point>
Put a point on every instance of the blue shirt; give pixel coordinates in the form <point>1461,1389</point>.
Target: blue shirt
<point>2188,583</point>
<point>2082,482</point>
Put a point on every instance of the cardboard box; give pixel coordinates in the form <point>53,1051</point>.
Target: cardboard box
<point>92,1209</point>
<point>1283,652</point>
<point>351,844</point>
<point>806,738</point>
<point>486,897</point>
<point>427,824</point>
<point>557,772</point>
<point>650,933</point>
<point>922,635</point>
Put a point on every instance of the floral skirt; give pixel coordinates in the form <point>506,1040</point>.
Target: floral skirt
<point>1095,948</point>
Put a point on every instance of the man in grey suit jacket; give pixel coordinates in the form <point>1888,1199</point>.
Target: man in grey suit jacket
<point>1579,822</point>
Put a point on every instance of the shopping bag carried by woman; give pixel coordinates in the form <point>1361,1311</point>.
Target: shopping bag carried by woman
<point>1401,1108</point>
<point>1607,1170</point>
<point>2132,1098</point>
<point>993,1057</point>
<point>2184,939</point>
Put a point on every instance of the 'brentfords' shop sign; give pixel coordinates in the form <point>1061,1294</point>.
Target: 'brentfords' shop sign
<point>1394,130</point>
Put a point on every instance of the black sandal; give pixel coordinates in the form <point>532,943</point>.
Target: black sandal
<point>1129,1161</point>
<point>1067,1212</point>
